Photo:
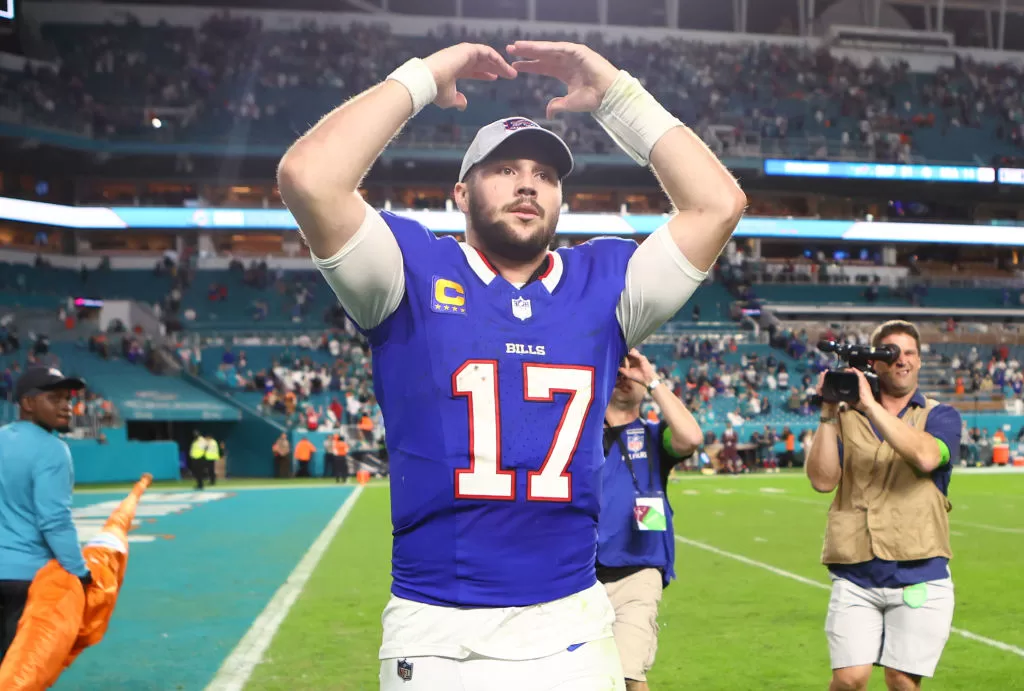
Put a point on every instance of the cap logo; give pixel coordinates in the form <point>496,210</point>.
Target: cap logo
<point>54,372</point>
<point>513,124</point>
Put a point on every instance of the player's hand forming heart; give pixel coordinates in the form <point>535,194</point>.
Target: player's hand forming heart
<point>464,61</point>
<point>586,74</point>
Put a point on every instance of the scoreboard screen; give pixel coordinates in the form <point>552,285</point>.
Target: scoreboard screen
<point>1011,176</point>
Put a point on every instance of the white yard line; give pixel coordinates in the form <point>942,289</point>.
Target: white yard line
<point>824,506</point>
<point>236,669</point>
<point>752,562</point>
<point>700,477</point>
<point>1006,647</point>
<point>820,503</point>
<point>993,528</point>
<point>229,487</point>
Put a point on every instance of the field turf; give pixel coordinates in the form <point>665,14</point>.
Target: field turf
<point>747,610</point>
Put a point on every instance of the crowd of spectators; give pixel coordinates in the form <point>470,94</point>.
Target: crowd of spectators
<point>323,383</point>
<point>232,74</point>
<point>131,346</point>
<point>90,411</point>
<point>976,445</point>
<point>997,372</point>
<point>721,382</point>
<point>273,294</point>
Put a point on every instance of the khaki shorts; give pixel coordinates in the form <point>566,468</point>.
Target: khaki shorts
<point>635,599</point>
<point>876,626</point>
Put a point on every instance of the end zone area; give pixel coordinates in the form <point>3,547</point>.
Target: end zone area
<point>202,567</point>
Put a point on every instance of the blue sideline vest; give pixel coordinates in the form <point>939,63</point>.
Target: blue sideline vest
<point>620,543</point>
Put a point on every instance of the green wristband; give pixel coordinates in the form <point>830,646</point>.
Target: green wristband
<point>666,443</point>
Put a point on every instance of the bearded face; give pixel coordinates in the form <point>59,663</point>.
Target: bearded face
<point>518,230</point>
<point>512,206</point>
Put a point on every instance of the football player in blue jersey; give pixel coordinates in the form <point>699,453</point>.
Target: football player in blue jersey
<point>494,359</point>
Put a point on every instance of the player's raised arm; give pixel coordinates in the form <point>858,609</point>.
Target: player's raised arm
<point>707,199</point>
<point>321,172</point>
<point>671,264</point>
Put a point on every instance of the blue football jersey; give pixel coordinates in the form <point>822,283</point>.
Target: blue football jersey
<point>493,400</point>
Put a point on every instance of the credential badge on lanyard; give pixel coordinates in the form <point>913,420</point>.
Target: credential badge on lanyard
<point>649,507</point>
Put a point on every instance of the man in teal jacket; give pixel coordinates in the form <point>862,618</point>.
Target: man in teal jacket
<point>36,481</point>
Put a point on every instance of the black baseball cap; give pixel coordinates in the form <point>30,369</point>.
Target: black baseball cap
<point>38,379</point>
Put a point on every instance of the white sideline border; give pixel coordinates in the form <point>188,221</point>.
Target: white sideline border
<point>226,487</point>
<point>236,669</point>
<point>1006,647</point>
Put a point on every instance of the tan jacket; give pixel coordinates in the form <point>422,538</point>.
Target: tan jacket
<point>883,506</point>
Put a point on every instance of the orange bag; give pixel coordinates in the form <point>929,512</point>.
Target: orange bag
<point>60,619</point>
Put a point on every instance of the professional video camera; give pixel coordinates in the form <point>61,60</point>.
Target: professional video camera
<point>841,386</point>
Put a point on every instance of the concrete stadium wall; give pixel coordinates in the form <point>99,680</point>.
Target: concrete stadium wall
<point>248,441</point>
<point>248,446</point>
<point>121,460</point>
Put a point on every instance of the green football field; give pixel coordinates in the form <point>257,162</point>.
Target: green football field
<point>747,610</point>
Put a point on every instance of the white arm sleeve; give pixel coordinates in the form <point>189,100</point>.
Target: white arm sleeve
<point>368,273</point>
<point>659,281</point>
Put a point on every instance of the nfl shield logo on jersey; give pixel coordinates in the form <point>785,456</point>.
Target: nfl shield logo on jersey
<point>635,440</point>
<point>405,670</point>
<point>521,308</point>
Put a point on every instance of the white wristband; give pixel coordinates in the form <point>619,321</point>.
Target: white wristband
<point>419,81</point>
<point>633,118</point>
<point>655,383</point>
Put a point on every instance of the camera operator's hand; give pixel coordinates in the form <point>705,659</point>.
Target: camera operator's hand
<point>867,398</point>
<point>828,408</point>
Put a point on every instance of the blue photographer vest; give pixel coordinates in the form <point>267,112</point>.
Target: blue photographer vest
<point>623,478</point>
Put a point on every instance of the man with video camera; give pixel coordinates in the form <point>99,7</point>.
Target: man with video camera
<point>889,458</point>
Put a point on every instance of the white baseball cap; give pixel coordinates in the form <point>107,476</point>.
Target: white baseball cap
<point>491,136</point>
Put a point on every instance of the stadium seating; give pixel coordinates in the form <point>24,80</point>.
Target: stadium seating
<point>788,96</point>
<point>263,358</point>
<point>796,293</point>
<point>131,387</point>
<point>49,287</point>
<point>29,287</point>
<point>713,299</point>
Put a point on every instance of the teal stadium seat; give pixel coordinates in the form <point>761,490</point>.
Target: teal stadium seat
<point>50,287</point>
<point>802,293</point>
<point>303,103</point>
<point>126,385</point>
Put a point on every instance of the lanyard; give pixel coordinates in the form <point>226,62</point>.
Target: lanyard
<point>629,461</point>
